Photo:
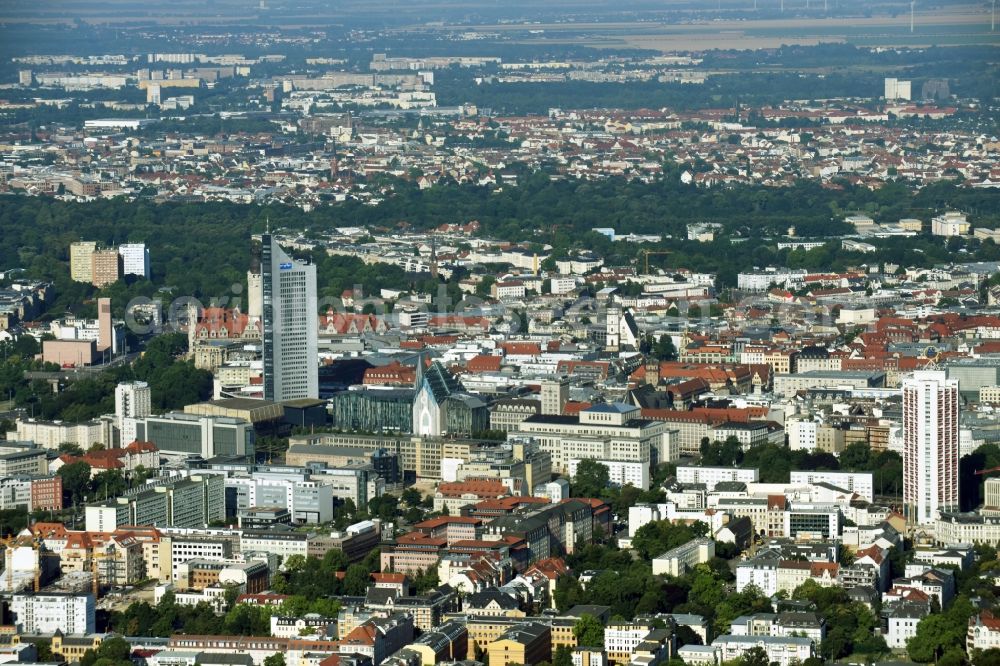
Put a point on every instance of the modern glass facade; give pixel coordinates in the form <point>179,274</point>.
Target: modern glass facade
<point>207,436</point>
<point>225,439</point>
<point>173,437</point>
<point>382,410</point>
<point>466,414</point>
<point>815,523</point>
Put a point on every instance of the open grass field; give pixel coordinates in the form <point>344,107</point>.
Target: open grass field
<point>955,25</point>
<point>664,25</point>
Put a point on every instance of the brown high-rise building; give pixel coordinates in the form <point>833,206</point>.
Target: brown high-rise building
<point>106,267</point>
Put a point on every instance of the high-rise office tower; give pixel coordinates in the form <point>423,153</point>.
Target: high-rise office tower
<point>930,445</point>
<point>290,325</point>
<point>135,259</point>
<point>133,400</point>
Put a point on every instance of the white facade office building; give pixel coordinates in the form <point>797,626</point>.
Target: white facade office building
<point>48,613</point>
<point>711,476</point>
<point>857,482</point>
<point>135,259</point>
<point>307,501</point>
<point>609,433</point>
<point>133,400</point>
<point>930,445</point>
<point>290,325</point>
<point>620,472</point>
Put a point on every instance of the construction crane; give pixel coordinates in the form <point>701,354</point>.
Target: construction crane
<point>12,542</point>
<point>39,554</point>
<point>980,472</point>
<point>646,254</point>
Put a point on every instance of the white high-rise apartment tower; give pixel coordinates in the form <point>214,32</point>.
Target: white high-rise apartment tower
<point>291,355</point>
<point>135,259</point>
<point>897,89</point>
<point>133,401</point>
<point>930,445</point>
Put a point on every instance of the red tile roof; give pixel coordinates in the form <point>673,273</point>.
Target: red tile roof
<point>550,567</point>
<point>484,363</point>
<point>447,520</point>
<point>480,487</point>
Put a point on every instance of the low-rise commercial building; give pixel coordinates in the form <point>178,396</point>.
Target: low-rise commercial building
<point>527,643</point>
<point>781,650</point>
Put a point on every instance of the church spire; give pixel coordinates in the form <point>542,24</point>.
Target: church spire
<point>419,377</point>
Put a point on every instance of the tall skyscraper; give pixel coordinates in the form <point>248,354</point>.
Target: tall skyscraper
<point>290,325</point>
<point>930,445</point>
<point>133,400</point>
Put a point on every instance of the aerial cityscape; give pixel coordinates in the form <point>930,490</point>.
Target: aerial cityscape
<point>342,333</point>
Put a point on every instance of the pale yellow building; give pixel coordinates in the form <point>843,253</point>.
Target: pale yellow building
<point>74,646</point>
<point>80,263</point>
<point>528,643</point>
<point>780,361</point>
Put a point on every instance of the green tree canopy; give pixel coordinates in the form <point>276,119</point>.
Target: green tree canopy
<point>75,480</point>
<point>657,537</point>
<point>589,631</point>
<point>940,633</point>
<point>591,479</point>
